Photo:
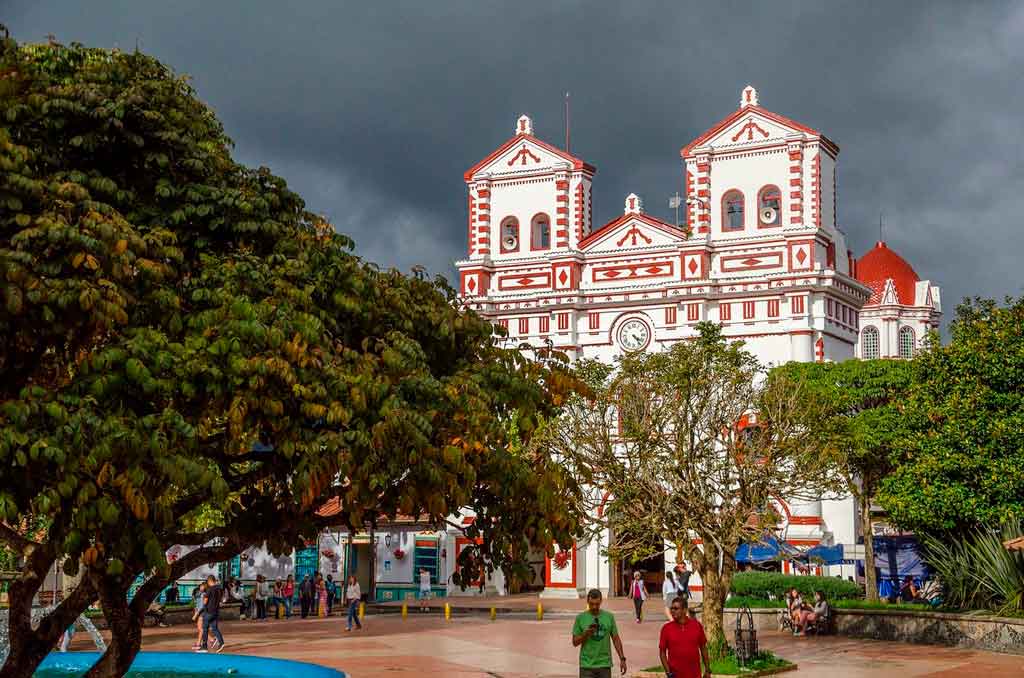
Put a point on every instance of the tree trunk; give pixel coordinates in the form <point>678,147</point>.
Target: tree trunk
<point>28,647</point>
<point>716,590</point>
<point>870,581</point>
<point>125,633</point>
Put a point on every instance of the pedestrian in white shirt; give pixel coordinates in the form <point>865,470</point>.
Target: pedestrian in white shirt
<point>668,592</point>
<point>352,597</point>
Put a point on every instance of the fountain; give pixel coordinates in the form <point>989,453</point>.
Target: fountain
<point>37,614</point>
<point>161,664</point>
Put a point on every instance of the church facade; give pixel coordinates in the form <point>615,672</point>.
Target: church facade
<point>759,252</point>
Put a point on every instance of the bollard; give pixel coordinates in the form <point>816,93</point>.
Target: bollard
<point>494,613</point>
<point>540,612</point>
<point>277,611</point>
<point>405,610</point>
<point>322,610</point>
<point>447,611</point>
<point>362,610</point>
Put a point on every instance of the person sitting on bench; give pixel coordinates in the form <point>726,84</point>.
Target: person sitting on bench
<point>812,616</point>
<point>156,611</point>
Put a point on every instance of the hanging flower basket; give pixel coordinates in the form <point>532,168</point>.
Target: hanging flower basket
<point>328,553</point>
<point>561,560</point>
<point>399,554</point>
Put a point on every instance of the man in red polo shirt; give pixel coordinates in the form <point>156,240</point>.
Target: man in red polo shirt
<point>683,645</point>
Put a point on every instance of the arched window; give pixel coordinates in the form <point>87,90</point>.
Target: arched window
<point>907,341</point>
<point>869,343</point>
<point>732,211</point>
<point>769,206</point>
<point>540,232</point>
<point>509,233</point>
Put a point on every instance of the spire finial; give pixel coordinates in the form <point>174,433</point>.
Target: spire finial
<point>634,205</point>
<point>748,97</point>
<point>524,125</point>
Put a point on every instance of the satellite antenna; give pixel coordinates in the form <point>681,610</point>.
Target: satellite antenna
<point>674,202</point>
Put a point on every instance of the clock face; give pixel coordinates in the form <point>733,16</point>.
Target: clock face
<point>634,335</point>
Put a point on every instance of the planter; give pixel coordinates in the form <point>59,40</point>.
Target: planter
<point>745,674</point>
<point>975,631</point>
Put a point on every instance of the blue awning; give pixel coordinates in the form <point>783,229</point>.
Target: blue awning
<point>825,555</point>
<point>765,549</point>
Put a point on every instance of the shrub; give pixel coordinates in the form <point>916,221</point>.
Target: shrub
<point>978,572</point>
<point>773,585</point>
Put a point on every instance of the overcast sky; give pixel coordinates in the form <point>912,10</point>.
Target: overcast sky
<point>372,110</point>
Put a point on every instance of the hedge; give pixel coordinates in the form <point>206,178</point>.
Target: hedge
<point>773,585</point>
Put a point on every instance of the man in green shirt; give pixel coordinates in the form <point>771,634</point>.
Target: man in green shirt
<point>593,632</point>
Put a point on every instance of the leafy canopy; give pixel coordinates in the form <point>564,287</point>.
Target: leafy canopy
<point>962,464</point>
<point>182,339</point>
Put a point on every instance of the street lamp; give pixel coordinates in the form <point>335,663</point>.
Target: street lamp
<point>387,540</point>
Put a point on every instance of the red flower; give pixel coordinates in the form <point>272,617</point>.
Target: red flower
<point>561,560</point>
<point>399,554</point>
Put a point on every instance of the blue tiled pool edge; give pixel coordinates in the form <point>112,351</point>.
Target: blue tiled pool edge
<point>244,666</point>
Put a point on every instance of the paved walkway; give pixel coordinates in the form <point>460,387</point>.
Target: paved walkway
<point>517,646</point>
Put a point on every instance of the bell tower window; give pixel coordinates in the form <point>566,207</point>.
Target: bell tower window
<point>509,232</point>
<point>769,206</point>
<point>540,232</point>
<point>732,211</point>
<point>869,343</point>
<point>907,341</point>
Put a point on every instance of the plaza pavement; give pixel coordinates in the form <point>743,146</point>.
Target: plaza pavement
<point>516,645</point>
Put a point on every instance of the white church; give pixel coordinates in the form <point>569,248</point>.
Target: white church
<point>760,252</point>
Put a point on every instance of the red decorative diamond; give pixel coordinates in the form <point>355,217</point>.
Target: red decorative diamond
<point>612,274</point>
<point>693,266</point>
<point>801,255</point>
<point>562,277</point>
<point>525,281</point>
<point>471,285</point>
<point>654,269</point>
<point>750,262</point>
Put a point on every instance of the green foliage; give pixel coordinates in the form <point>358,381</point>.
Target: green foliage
<point>977,571</point>
<point>961,465</point>
<point>753,602</point>
<point>863,423</point>
<point>190,355</point>
<point>725,664</point>
<point>774,585</point>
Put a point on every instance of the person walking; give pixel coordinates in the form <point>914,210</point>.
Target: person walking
<point>668,593</point>
<point>262,593</point>
<point>638,592</point>
<point>352,597</point>
<point>332,593</point>
<point>425,591</point>
<point>683,582</point>
<point>199,603</point>
<point>305,595</point>
<point>321,596</point>
<point>288,591</point>
<point>593,632</point>
<point>683,645</point>
<point>211,615</point>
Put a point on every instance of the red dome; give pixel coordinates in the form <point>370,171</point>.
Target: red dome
<point>880,264</point>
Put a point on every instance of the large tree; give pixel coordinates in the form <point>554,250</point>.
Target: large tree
<point>962,464</point>
<point>689,445</point>
<point>863,424</point>
<point>182,339</point>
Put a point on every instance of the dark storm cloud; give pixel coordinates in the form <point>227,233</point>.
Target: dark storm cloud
<point>373,110</point>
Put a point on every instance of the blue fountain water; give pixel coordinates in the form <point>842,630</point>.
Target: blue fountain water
<point>187,665</point>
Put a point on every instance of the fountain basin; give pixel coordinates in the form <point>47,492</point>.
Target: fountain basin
<point>186,665</point>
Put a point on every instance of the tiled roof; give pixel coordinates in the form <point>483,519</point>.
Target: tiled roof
<point>882,263</point>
